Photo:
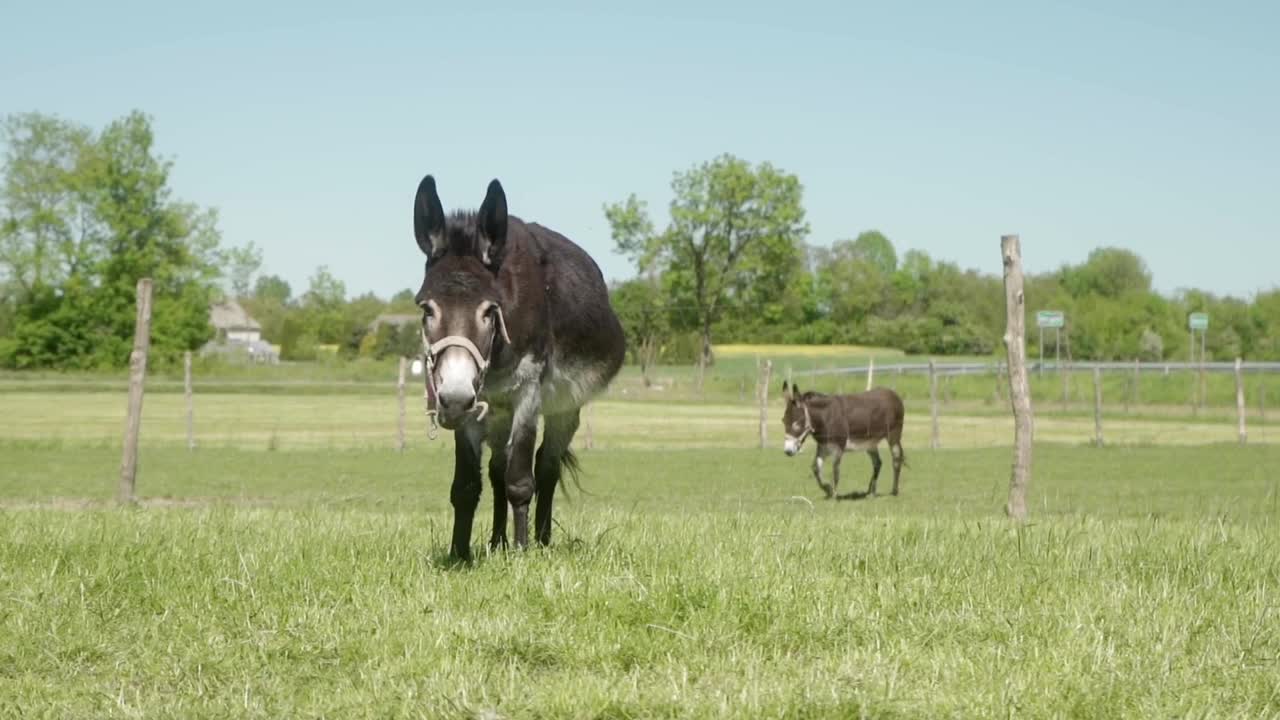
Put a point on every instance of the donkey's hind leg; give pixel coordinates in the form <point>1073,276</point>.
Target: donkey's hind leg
<point>899,459</point>
<point>553,456</point>
<point>874,454</point>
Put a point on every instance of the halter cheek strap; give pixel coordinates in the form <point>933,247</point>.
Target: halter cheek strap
<point>808,428</point>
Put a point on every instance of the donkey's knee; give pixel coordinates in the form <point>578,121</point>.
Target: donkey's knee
<point>520,487</point>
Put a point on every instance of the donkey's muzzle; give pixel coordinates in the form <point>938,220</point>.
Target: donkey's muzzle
<point>453,407</point>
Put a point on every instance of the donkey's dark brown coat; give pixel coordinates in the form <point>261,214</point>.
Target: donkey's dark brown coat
<point>845,422</point>
<point>535,308</point>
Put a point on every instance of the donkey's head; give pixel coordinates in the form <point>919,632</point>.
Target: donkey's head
<point>462,322</point>
<point>796,421</point>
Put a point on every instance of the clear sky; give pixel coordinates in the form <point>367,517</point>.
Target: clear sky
<point>1149,125</point>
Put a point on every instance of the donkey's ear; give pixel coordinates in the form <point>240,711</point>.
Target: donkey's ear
<point>428,219</point>
<point>786,390</point>
<point>493,224</point>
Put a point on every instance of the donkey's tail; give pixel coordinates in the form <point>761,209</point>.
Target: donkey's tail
<point>569,461</point>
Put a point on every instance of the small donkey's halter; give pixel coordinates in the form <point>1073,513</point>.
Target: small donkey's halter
<point>808,427</point>
<point>431,350</point>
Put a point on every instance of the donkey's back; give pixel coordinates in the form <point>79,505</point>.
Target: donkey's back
<point>585,341</point>
<point>872,415</point>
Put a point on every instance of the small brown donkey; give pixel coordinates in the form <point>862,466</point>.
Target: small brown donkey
<point>845,422</point>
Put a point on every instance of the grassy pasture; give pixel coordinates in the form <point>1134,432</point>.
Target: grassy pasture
<point>697,577</point>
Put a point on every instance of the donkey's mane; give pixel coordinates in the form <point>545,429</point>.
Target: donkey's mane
<point>460,232</point>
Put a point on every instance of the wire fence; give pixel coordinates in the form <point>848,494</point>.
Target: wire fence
<point>1134,403</point>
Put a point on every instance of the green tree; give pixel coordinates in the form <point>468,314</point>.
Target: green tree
<point>85,216</point>
<point>873,247</point>
<point>641,309</point>
<point>243,264</point>
<point>273,288</point>
<point>1109,272</point>
<point>732,226</point>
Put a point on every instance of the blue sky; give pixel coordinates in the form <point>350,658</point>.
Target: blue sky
<point>1149,125</point>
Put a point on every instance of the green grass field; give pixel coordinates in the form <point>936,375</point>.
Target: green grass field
<point>694,576</point>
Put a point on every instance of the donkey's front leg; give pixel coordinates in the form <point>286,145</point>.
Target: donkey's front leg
<point>465,493</point>
<point>520,445</point>
<point>817,471</point>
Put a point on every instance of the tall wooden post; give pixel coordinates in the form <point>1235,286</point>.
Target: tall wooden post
<point>137,375</point>
<point>1240,408</point>
<point>933,404</point>
<point>191,406</point>
<point>871,372</point>
<point>1097,407</point>
<point>588,440</point>
<point>765,371</point>
<point>400,442</point>
<point>1015,340</point>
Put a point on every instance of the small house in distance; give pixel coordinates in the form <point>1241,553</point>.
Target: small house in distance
<point>238,335</point>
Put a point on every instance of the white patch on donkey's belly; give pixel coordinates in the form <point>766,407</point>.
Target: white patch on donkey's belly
<point>570,387</point>
<point>864,444</point>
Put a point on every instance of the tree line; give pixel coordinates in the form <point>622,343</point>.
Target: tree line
<point>85,213</point>
<point>733,265</point>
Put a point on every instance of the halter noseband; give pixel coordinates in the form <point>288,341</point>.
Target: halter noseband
<point>431,350</point>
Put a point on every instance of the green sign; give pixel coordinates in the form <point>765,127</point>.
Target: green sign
<point>1198,321</point>
<point>1051,319</point>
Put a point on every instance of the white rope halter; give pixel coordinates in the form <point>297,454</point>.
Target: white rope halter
<point>431,350</point>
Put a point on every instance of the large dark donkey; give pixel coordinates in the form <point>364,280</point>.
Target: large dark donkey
<point>516,325</point>
<point>845,422</point>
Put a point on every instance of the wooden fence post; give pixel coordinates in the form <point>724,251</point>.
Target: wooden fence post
<point>764,401</point>
<point>1097,407</point>
<point>933,404</point>
<point>1195,392</point>
<point>1262,402</point>
<point>1065,385</point>
<point>191,406</point>
<point>1136,398</point>
<point>1015,340</point>
<point>588,440</point>
<point>1240,409</point>
<point>1204,389</point>
<point>400,443</point>
<point>871,371</point>
<point>137,374</point>
<point>999,370</point>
